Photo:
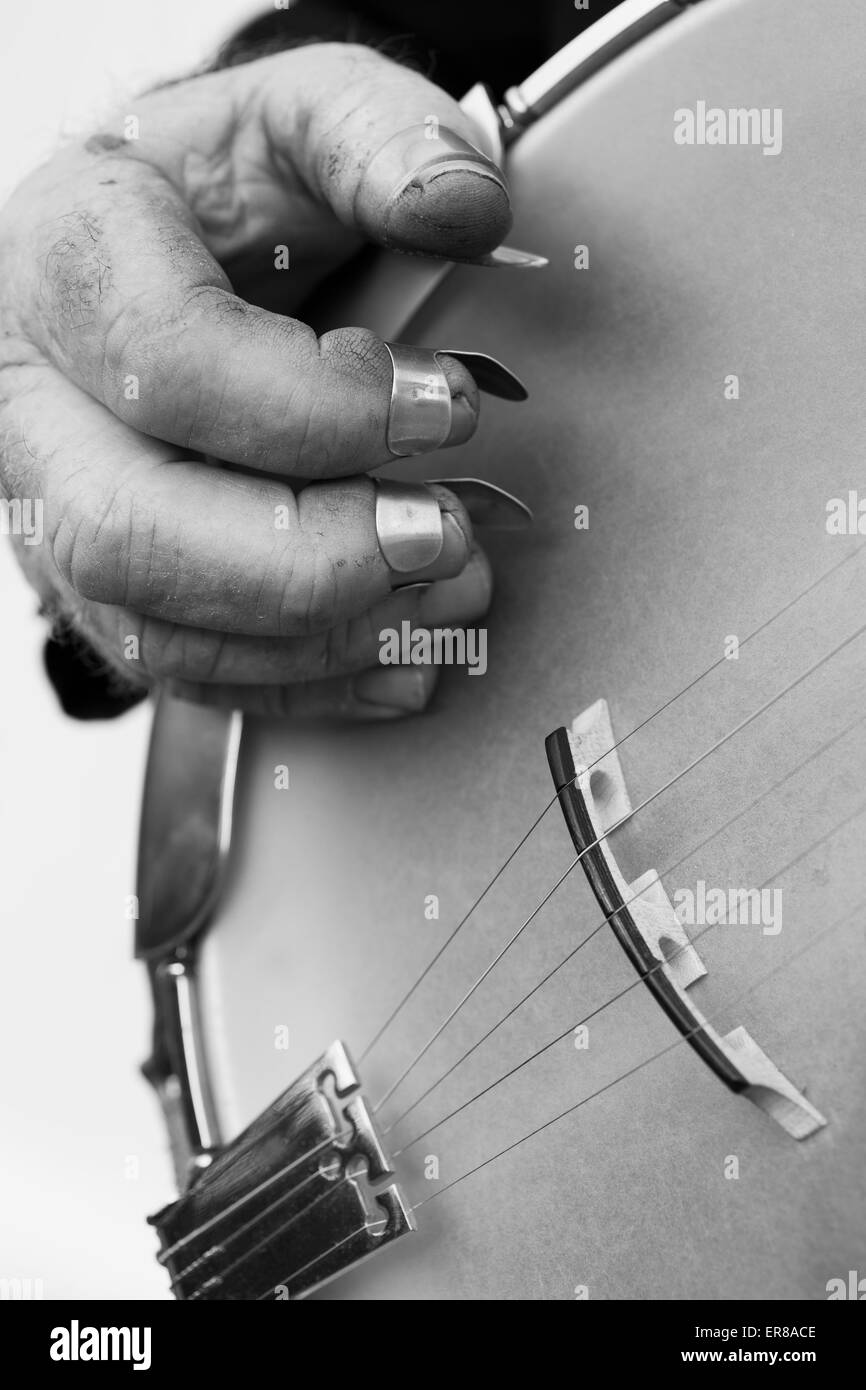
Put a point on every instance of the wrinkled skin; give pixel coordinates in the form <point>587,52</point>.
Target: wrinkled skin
<point>134,353</point>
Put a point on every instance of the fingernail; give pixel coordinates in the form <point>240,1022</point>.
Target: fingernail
<point>459,535</point>
<point>428,190</point>
<point>398,689</point>
<point>413,584</point>
<point>464,422</point>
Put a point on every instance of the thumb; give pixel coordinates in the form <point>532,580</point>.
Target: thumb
<point>392,154</point>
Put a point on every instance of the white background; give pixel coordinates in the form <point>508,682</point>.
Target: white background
<point>75,1116</point>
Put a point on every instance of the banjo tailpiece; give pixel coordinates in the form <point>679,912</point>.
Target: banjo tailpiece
<point>302,1194</point>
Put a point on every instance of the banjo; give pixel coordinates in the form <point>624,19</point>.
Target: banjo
<point>556,991</point>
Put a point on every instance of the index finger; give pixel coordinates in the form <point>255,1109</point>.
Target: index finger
<point>135,310</point>
<point>134,307</point>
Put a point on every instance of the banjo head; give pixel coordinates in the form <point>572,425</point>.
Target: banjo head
<point>698,389</point>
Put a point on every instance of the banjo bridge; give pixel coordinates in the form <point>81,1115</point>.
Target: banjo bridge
<point>305,1192</point>
<point>594,799</point>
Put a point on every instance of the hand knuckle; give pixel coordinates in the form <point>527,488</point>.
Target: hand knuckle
<point>308,598</point>
<point>144,335</point>
<point>172,652</point>
<point>356,350</point>
<point>75,271</point>
<point>319,605</point>
<point>90,548</point>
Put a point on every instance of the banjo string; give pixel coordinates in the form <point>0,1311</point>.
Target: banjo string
<point>670,868</point>
<point>460,925</point>
<point>270,1291</point>
<point>639,980</point>
<point>205,1226</point>
<point>240,1202</point>
<point>666,786</point>
<point>701,758</point>
<point>266,1239</point>
<point>840,922</point>
<point>755,632</point>
<point>609,1085</point>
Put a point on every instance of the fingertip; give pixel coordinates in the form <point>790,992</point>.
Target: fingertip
<point>429,191</point>
<point>460,599</point>
<point>453,211</point>
<point>389,692</point>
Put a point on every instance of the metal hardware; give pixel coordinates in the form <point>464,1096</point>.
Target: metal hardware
<point>184,839</point>
<point>487,504</point>
<point>490,375</point>
<point>186,822</point>
<point>592,50</point>
<point>302,1194</point>
<point>408,525</point>
<point>309,1178</point>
